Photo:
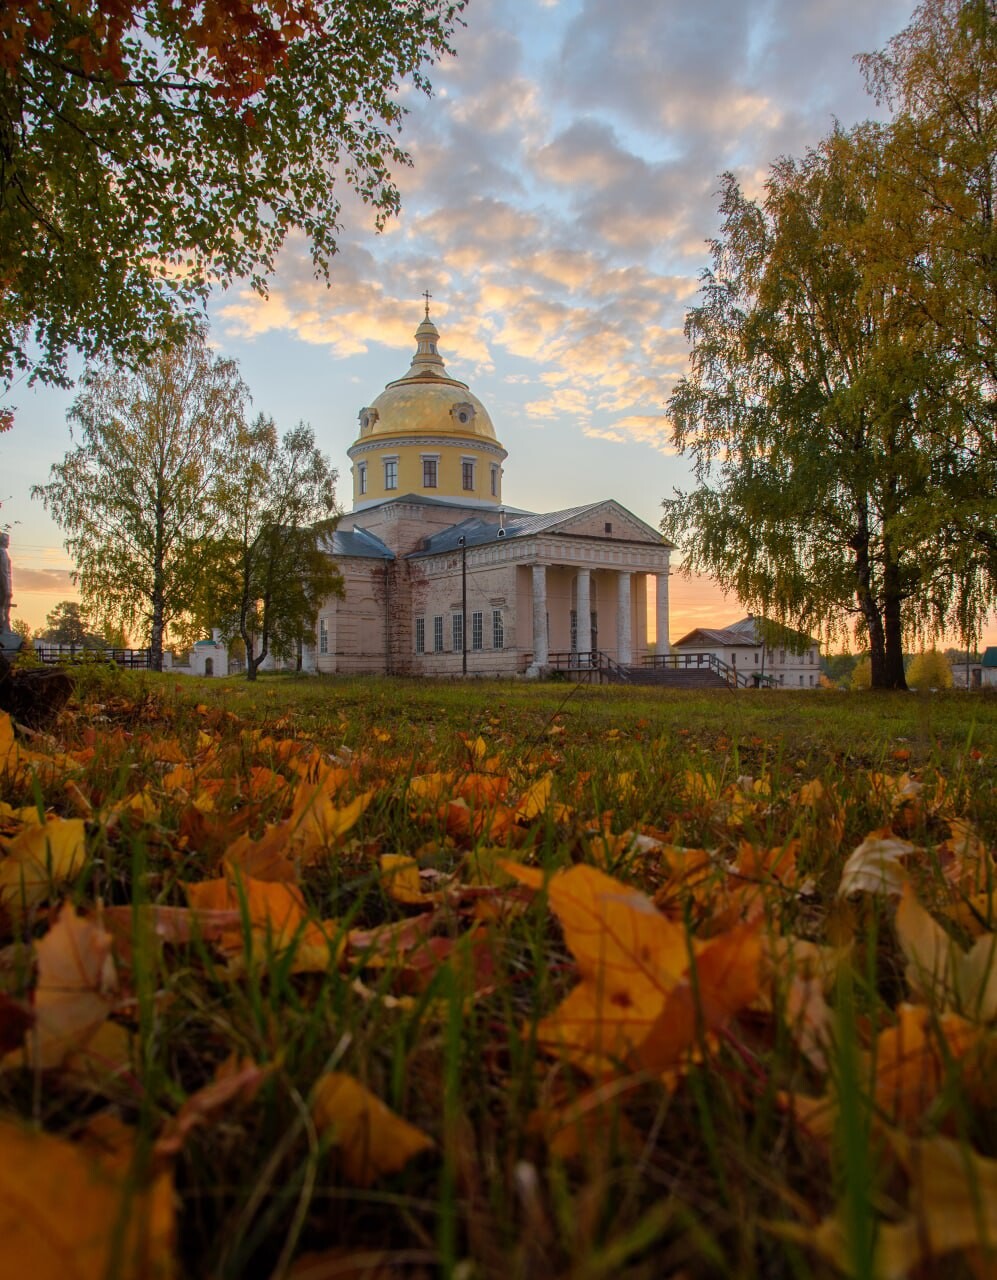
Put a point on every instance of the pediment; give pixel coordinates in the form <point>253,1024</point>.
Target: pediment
<point>591,522</point>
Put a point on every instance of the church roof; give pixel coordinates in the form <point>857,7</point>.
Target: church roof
<point>524,524</point>
<point>744,632</point>
<point>426,400</point>
<point>358,542</point>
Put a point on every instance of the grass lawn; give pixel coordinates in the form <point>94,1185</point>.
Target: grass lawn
<point>320,978</point>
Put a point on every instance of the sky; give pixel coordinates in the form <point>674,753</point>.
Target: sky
<point>562,193</point>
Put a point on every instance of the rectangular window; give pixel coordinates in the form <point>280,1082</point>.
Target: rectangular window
<point>477,631</point>
<point>457,632</point>
<point>498,631</point>
<point>782,656</point>
<point>495,475</point>
<point>391,473</point>
<point>467,474</point>
<point>362,478</point>
<point>430,470</point>
<point>574,630</point>
<point>756,658</point>
<point>420,635</point>
<point>323,636</point>
<point>438,633</point>
<point>801,681</point>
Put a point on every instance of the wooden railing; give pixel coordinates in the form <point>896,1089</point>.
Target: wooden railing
<point>51,655</point>
<point>697,661</point>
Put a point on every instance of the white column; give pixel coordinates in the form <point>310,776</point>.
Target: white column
<point>624,648</point>
<point>661,612</point>
<point>539,615</point>
<point>583,613</point>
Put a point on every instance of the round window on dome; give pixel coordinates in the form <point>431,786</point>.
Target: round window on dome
<point>463,413</point>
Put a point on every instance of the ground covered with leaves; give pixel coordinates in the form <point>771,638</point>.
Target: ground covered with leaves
<point>343,979</point>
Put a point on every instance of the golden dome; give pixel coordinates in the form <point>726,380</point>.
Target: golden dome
<point>426,401</point>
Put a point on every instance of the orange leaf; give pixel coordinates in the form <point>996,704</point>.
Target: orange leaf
<point>914,1059</point>
<point>724,979</point>
<point>76,982</point>
<point>65,1214</point>
<point>371,1138</point>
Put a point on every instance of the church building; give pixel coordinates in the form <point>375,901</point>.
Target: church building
<point>443,578</point>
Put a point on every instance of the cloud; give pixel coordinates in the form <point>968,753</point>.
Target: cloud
<point>47,580</point>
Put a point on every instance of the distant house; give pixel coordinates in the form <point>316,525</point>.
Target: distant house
<point>988,668</point>
<point>794,664</point>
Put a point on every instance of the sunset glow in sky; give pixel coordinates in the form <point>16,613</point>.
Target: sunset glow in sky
<point>562,192</point>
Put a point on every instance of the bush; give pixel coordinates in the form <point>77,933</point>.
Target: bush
<point>929,670</point>
<point>862,675</point>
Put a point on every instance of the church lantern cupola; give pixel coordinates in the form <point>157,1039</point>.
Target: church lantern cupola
<point>427,435</point>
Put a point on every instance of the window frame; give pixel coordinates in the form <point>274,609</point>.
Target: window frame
<point>457,632</point>
<point>477,630</point>
<point>431,467</point>
<point>420,635</point>
<point>437,632</point>
<point>390,478</point>
<point>498,629</point>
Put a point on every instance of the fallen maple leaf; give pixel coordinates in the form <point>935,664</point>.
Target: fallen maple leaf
<point>241,1084</point>
<point>401,880</point>
<point>371,1138</point>
<point>913,1060</point>
<point>317,824</point>
<point>65,1214</point>
<point>278,920</point>
<point>937,966</point>
<point>874,866</point>
<point>75,991</point>
<point>723,979</point>
<point>40,858</point>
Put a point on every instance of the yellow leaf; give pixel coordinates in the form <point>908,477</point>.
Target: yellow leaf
<point>371,1138</point>
<point>937,966</point>
<point>953,1192</point>
<point>40,858</point>
<point>534,801</point>
<point>400,877</point>
<point>8,745</point>
<point>317,824</point>
<point>65,1215</point>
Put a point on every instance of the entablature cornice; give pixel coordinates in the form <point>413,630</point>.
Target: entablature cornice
<point>554,553</point>
<point>467,443</point>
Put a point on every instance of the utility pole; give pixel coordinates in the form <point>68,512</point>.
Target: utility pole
<point>462,544</point>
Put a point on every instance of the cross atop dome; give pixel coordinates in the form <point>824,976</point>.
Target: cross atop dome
<point>427,295</point>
